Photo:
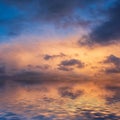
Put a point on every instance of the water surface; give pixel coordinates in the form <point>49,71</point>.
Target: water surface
<point>71,100</point>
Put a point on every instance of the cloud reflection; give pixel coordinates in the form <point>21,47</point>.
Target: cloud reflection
<point>60,100</point>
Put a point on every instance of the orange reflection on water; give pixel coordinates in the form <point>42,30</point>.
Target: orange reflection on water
<point>61,100</point>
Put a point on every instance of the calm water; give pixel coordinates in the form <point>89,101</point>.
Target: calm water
<point>88,100</point>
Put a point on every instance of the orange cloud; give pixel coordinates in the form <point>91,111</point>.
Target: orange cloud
<point>30,55</point>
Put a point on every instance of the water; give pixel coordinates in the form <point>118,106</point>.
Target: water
<point>72,100</point>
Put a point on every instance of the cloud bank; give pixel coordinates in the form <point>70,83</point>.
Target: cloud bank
<point>108,31</point>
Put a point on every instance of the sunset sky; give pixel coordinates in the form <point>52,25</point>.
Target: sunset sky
<point>59,59</point>
<point>60,39</point>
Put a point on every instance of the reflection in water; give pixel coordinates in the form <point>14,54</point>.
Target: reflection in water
<point>60,101</point>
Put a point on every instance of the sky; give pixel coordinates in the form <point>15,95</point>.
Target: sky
<point>60,40</point>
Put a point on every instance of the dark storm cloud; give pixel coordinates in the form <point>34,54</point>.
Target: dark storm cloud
<point>49,10</point>
<point>108,31</point>
<point>17,15</point>
<point>115,61</point>
<point>58,9</point>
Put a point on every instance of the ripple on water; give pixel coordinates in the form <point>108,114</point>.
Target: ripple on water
<point>60,103</point>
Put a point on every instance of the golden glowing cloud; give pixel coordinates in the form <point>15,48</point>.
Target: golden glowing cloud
<point>30,55</point>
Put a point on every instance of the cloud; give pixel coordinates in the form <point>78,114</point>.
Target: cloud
<point>57,10</point>
<point>35,77</point>
<point>48,57</point>
<point>69,63</point>
<point>31,56</point>
<point>2,69</point>
<point>108,31</point>
<point>63,68</point>
<point>72,62</point>
<point>112,70</point>
<point>66,65</point>
<point>31,77</point>
<point>38,67</point>
<point>51,9</point>
<point>23,15</point>
<point>3,75</point>
<point>115,61</point>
